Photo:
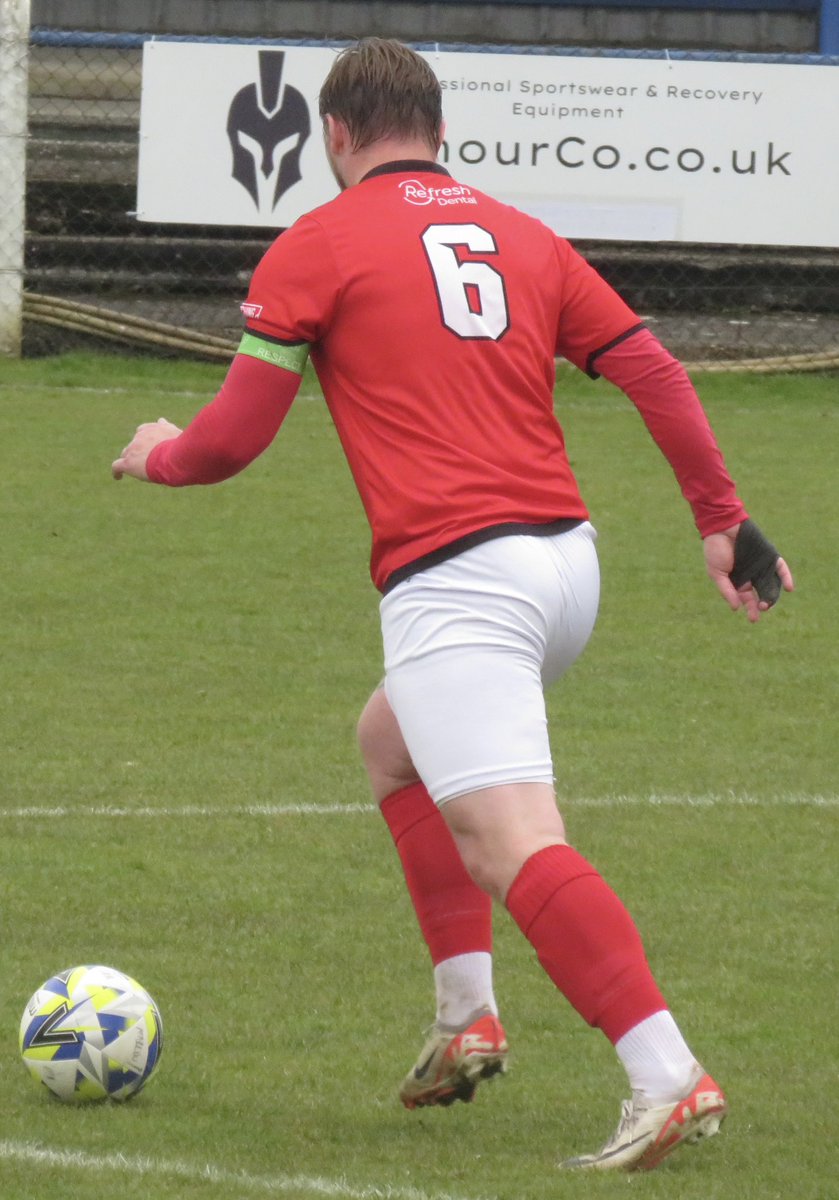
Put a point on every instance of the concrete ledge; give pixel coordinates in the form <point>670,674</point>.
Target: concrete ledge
<point>80,161</point>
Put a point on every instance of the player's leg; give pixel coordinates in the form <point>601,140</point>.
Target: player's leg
<point>455,917</point>
<point>589,946</point>
<point>471,708</point>
<point>454,914</point>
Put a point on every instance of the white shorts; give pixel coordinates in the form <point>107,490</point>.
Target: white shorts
<point>470,645</point>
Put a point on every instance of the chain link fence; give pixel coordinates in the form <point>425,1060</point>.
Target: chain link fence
<point>94,275</point>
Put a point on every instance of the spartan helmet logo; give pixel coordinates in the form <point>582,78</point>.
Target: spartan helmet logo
<point>268,125</point>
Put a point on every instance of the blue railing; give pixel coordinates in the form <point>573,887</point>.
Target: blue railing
<point>828,11</point>
<point>128,41</point>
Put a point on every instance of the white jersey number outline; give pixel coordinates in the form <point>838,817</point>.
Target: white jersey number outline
<point>471,294</point>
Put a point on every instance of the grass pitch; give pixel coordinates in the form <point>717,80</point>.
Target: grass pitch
<point>181,677</point>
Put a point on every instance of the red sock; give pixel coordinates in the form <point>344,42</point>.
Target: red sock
<point>585,939</point>
<point>455,916</point>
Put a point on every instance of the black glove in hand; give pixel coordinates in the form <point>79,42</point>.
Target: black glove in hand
<point>755,559</point>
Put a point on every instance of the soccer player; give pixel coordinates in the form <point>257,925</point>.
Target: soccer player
<point>433,315</point>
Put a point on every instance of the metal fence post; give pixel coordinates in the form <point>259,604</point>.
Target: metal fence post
<point>14,49</point>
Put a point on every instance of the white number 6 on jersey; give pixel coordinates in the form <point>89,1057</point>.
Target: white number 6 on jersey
<point>473,300</point>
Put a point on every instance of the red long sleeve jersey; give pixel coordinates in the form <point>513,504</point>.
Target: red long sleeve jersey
<point>434,314</point>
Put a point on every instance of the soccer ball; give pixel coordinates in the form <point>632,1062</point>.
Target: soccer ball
<point>91,1032</point>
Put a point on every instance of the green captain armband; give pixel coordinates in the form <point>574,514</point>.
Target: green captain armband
<point>292,357</point>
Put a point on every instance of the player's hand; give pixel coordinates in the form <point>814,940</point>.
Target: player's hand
<point>747,569</point>
<point>132,461</point>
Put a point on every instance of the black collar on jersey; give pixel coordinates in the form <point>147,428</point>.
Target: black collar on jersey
<point>405,164</point>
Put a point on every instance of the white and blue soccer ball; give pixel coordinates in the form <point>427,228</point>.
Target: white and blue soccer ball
<point>91,1032</point>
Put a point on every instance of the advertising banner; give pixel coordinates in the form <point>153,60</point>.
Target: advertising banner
<point>635,149</point>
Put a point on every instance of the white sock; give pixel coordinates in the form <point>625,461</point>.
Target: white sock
<point>464,984</point>
<point>657,1059</point>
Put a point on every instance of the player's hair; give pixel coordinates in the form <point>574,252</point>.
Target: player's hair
<point>381,88</point>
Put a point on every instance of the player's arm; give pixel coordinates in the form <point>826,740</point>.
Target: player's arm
<point>744,565</point>
<point>661,390</point>
<point>231,431</point>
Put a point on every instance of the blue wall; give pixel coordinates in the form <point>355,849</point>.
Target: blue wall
<point>788,6</point>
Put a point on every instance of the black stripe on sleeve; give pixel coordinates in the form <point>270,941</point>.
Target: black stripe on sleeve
<point>266,337</point>
<point>595,354</point>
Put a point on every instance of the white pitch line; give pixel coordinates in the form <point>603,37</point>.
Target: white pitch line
<point>187,810</point>
<point>140,390</point>
<point>227,1179</point>
<point>592,408</point>
<point>712,800</point>
<point>720,800</point>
